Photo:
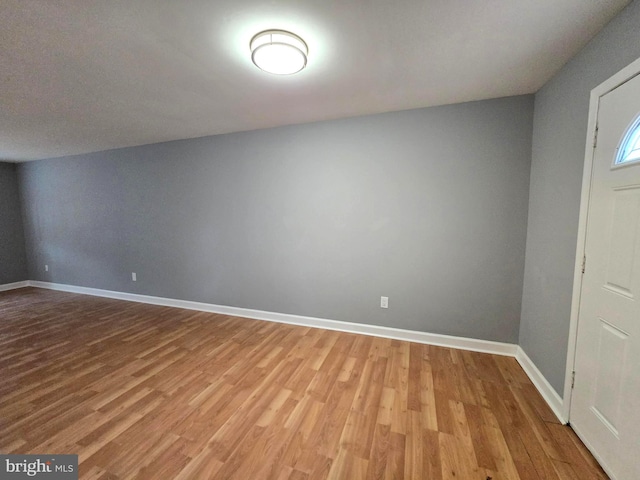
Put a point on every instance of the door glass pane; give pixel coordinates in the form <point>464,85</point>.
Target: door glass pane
<point>629,149</point>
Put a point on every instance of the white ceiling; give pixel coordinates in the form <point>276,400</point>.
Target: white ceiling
<point>78,76</point>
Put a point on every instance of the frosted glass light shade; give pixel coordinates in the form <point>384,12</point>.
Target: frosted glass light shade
<point>279,52</point>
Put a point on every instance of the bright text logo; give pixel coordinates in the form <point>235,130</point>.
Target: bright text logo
<point>50,467</point>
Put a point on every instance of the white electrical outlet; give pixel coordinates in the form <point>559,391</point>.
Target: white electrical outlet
<point>134,277</point>
<point>46,268</point>
<point>384,302</point>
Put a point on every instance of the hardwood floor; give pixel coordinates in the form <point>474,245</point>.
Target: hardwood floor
<point>141,391</point>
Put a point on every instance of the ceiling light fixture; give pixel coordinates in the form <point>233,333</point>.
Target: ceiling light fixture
<point>279,52</point>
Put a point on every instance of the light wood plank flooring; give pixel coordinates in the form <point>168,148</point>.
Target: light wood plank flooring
<point>141,391</point>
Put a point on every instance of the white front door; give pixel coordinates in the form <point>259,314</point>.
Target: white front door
<point>605,405</point>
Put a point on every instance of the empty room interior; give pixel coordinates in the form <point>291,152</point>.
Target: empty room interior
<point>308,240</point>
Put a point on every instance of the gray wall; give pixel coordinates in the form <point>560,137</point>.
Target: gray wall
<point>428,207</point>
<point>559,135</point>
<point>13,261</point>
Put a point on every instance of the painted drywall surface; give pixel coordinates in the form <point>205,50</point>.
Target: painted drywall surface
<point>13,260</point>
<point>427,207</point>
<point>559,135</point>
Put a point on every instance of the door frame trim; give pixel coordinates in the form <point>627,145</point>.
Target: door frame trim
<point>627,73</point>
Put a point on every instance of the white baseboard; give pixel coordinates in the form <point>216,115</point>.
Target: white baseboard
<point>12,286</point>
<point>484,346</point>
<point>552,398</point>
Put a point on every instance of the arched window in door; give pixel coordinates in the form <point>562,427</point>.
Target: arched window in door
<point>629,149</point>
